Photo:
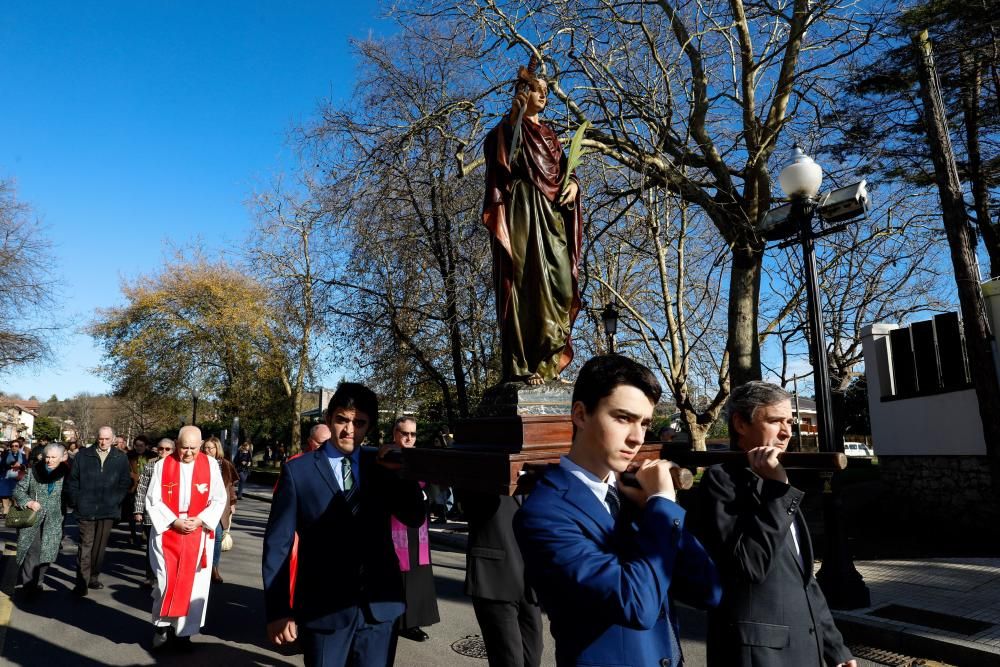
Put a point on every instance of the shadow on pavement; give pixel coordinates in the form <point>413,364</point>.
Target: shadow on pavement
<point>22,648</point>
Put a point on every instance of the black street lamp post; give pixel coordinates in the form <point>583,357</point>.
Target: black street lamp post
<point>609,317</point>
<point>841,582</point>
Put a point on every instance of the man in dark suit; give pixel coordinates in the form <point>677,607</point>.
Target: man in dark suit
<point>348,590</point>
<point>505,606</point>
<point>773,613</point>
<point>607,572</point>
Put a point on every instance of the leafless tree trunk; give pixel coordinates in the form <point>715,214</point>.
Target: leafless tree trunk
<point>962,242</point>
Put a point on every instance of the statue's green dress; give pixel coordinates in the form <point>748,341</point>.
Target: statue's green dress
<point>536,250</point>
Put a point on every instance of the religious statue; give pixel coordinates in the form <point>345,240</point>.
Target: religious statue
<point>532,212</point>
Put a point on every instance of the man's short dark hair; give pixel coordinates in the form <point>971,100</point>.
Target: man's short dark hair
<point>355,396</point>
<point>747,398</point>
<point>140,438</point>
<point>601,374</point>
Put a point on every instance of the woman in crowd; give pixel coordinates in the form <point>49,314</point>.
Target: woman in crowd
<point>213,447</point>
<point>163,449</point>
<point>12,468</point>
<point>38,544</point>
<point>244,462</point>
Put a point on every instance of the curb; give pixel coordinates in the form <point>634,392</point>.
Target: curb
<point>915,640</point>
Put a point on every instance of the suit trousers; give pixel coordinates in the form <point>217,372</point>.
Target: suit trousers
<point>94,534</point>
<point>363,643</point>
<point>512,631</point>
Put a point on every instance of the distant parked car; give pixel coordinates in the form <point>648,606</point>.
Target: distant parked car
<point>858,449</point>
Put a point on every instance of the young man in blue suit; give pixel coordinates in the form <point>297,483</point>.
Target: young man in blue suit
<point>348,590</point>
<point>607,560</point>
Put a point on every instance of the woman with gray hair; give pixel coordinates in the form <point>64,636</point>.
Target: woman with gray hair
<point>38,544</point>
<point>163,449</point>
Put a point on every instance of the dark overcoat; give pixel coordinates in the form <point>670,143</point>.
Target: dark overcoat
<point>773,613</point>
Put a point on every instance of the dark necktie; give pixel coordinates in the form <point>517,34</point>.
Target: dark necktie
<point>350,491</point>
<point>614,503</point>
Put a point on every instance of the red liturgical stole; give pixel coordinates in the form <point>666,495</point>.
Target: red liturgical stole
<point>180,552</point>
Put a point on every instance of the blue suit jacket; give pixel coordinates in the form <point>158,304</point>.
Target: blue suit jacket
<point>607,585</point>
<point>344,561</point>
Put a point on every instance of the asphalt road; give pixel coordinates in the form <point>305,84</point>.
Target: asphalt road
<point>112,626</point>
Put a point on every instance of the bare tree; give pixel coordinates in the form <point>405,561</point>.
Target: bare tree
<point>413,276</point>
<point>659,259</point>
<point>694,96</point>
<point>27,289</point>
<point>285,253</point>
<point>886,269</point>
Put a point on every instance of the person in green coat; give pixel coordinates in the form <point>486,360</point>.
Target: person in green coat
<point>41,490</point>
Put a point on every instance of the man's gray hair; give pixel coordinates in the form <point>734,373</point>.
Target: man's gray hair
<point>109,429</point>
<point>313,430</point>
<point>402,420</point>
<point>747,398</point>
<point>54,446</point>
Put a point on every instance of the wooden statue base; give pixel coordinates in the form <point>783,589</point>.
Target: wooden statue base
<point>517,433</point>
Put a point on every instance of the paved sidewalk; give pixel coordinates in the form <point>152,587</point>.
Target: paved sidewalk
<point>959,590</point>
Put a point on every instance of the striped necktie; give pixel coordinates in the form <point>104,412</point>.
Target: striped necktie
<point>613,501</point>
<point>350,489</point>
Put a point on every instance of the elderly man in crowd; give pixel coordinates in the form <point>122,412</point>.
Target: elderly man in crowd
<point>98,482</point>
<point>413,550</point>
<point>185,501</point>
<point>773,613</point>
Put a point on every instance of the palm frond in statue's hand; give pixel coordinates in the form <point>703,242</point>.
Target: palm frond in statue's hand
<point>576,152</point>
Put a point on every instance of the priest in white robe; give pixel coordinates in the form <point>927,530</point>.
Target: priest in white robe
<point>185,501</point>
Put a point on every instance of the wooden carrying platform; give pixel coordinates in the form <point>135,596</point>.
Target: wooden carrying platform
<point>502,455</point>
<point>490,452</point>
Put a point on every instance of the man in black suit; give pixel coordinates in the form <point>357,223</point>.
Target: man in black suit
<point>348,590</point>
<point>773,613</point>
<point>505,606</point>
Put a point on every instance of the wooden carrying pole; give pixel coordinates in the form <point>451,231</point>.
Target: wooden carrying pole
<point>491,471</point>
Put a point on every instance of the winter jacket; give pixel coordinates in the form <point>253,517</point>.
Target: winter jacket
<point>96,492</point>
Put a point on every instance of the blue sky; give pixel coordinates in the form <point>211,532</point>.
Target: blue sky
<point>129,126</point>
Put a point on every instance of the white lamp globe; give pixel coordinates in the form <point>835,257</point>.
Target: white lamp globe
<point>802,177</point>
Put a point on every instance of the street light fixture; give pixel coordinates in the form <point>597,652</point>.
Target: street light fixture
<point>609,317</point>
<point>801,180</point>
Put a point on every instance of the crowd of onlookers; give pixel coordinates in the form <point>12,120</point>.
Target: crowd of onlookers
<point>56,479</point>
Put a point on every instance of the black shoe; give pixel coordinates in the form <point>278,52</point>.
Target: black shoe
<point>414,634</point>
<point>184,643</point>
<point>147,584</point>
<point>80,590</point>
<point>95,585</point>
<point>438,520</point>
<point>160,637</point>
